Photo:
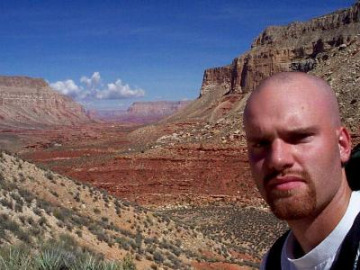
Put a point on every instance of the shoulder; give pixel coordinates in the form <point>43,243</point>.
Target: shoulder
<point>272,259</point>
<point>263,261</point>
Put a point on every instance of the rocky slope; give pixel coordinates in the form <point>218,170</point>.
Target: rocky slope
<point>313,46</point>
<point>37,205</point>
<point>29,102</point>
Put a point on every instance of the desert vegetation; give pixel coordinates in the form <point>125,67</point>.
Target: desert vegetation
<point>62,254</point>
<point>39,207</point>
<point>247,230</point>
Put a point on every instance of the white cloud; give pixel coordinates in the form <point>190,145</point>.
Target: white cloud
<point>93,82</point>
<point>92,89</point>
<point>118,90</point>
<point>67,87</point>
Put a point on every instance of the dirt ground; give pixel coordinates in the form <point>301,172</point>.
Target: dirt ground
<point>102,154</point>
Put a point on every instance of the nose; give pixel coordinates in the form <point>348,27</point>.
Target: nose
<point>279,155</point>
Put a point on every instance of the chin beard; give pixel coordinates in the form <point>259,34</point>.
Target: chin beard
<point>293,204</point>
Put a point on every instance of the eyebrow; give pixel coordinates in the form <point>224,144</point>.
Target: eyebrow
<point>303,130</point>
<point>299,130</point>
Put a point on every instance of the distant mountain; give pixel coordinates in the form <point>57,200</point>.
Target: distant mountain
<point>30,102</point>
<point>141,112</point>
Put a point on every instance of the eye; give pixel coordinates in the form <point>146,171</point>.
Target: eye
<point>260,144</point>
<point>297,138</point>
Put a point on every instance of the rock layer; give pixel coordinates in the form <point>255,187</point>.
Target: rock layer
<point>29,102</point>
<point>286,48</point>
<point>142,112</point>
<point>307,47</point>
<point>161,108</point>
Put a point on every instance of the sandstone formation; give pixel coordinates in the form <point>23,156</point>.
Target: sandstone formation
<point>142,112</point>
<point>29,102</point>
<point>163,108</point>
<point>305,47</point>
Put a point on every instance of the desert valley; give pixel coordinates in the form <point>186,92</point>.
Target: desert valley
<point>166,184</point>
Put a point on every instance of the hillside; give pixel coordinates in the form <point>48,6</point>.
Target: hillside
<point>37,205</point>
<point>28,102</point>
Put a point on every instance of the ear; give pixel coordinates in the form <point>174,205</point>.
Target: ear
<point>344,141</point>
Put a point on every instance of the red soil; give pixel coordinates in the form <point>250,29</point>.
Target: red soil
<point>218,266</point>
<point>101,155</point>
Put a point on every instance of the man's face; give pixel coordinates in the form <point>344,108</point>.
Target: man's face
<point>294,149</point>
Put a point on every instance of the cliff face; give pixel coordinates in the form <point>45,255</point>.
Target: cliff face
<point>159,108</point>
<point>312,46</point>
<point>29,102</point>
<point>292,47</point>
<point>141,112</point>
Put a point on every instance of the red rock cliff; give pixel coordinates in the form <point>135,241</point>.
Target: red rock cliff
<point>29,102</point>
<point>318,46</point>
<point>285,48</point>
<point>161,108</point>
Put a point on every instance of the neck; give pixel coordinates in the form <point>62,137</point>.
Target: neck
<point>312,231</point>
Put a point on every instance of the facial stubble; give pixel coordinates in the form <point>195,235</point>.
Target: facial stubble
<point>295,203</point>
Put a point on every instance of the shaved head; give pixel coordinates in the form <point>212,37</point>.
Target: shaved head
<point>296,144</point>
<point>307,85</point>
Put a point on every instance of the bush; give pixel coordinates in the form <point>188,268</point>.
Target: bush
<point>7,203</point>
<point>79,233</point>
<point>42,221</point>
<point>15,258</point>
<point>158,257</point>
<point>37,211</point>
<point>49,175</point>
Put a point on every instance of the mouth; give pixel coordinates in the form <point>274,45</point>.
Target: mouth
<point>284,183</point>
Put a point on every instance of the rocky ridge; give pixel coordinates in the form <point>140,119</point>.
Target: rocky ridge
<point>30,102</point>
<point>141,112</point>
<point>162,108</point>
<point>286,48</point>
<point>328,46</point>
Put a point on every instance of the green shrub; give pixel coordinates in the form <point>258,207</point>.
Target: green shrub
<point>79,233</point>
<point>18,258</point>
<point>50,260</point>
<point>58,255</point>
<point>49,175</point>
<point>42,221</point>
<point>7,203</point>
<point>158,257</point>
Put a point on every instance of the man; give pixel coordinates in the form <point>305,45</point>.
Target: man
<point>297,150</point>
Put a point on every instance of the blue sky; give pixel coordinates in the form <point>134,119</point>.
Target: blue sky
<point>109,53</point>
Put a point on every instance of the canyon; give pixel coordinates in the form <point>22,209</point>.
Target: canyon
<point>196,158</point>
<point>185,157</point>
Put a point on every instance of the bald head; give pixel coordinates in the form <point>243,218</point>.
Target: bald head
<point>296,87</point>
<point>296,145</point>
